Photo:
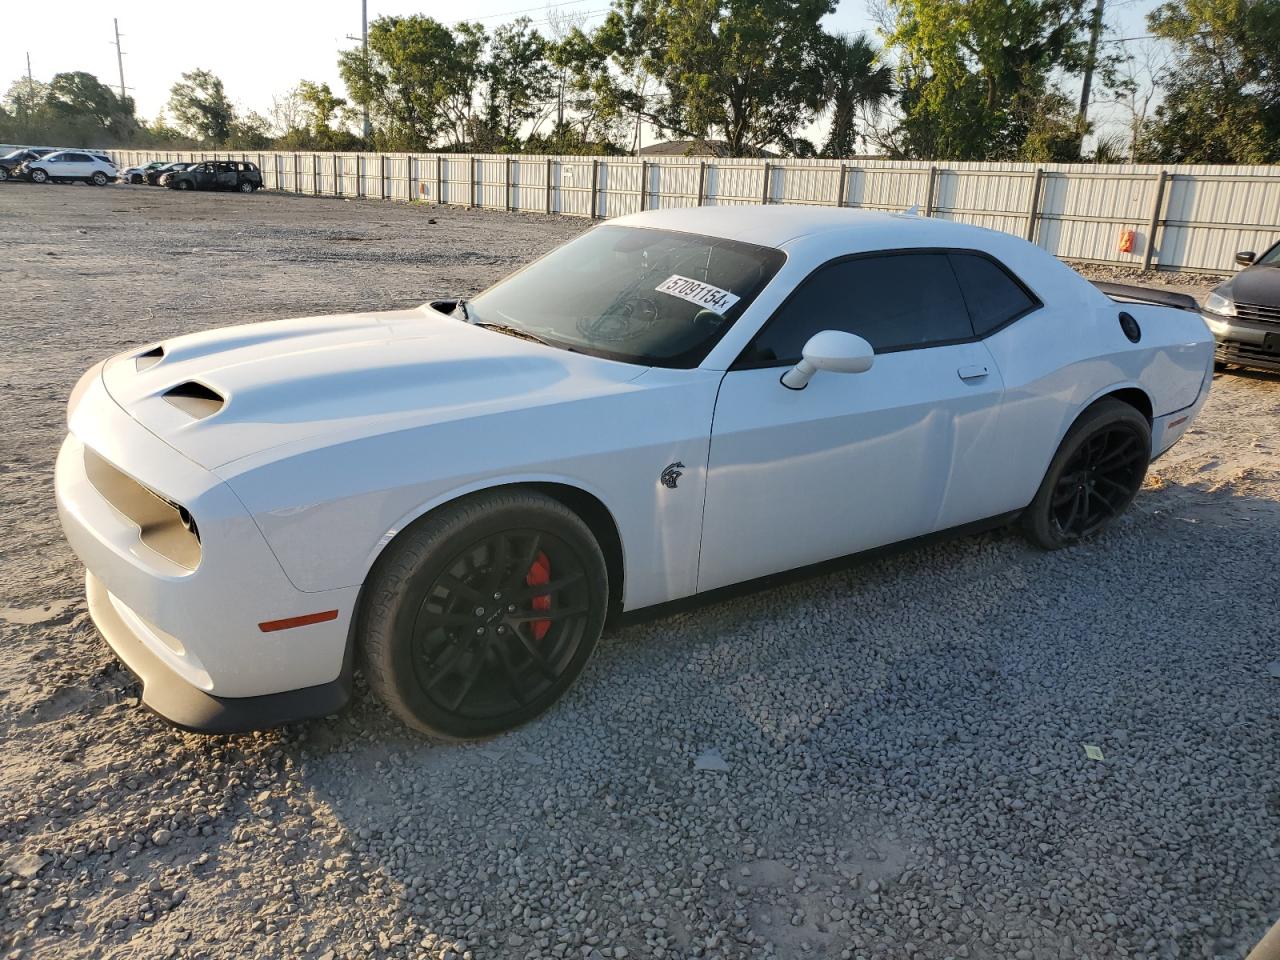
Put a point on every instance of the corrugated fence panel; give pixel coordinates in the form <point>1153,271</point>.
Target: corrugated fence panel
<point>1202,214</point>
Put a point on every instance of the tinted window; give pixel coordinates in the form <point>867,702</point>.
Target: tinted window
<point>894,302</point>
<point>77,157</point>
<point>994,297</point>
<point>1271,257</point>
<point>638,295</point>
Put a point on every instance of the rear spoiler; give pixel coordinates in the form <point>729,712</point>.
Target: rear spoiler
<point>1163,298</point>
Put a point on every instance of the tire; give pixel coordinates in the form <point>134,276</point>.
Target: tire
<point>99,179</point>
<point>246,187</point>
<point>452,641</point>
<point>38,176</point>
<point>1094,476</point>
<point>183,185</point>
<point>4,174</point>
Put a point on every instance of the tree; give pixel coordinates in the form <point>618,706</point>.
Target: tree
<point>518,79</point>
<point>73,107</point>
<point>200,107</point>
<point>417,80</point>
<point>851,83</point>
<point>744,71</point>
<point>1222,93</point>
<point>975,76</point>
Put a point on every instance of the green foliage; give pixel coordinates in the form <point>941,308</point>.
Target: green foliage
<point>73,108</point>
<point>852,81</point>
<point>976,75</point>
<point>1222,93</point>
<point>747,72</point>
<point>417,81</point>
<point>518,81</point>
<point>200,107</point>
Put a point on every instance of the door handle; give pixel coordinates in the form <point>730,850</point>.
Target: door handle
<point>975,371</point>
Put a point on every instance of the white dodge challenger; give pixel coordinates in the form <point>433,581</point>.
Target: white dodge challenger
<point>456,497</point>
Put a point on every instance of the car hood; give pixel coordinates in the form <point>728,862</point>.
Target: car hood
<point>230,393</point>
<point>1255,285</point>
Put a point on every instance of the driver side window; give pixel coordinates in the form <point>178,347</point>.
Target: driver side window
<point>895,301</point>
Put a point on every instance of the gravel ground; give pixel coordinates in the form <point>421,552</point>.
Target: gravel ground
<point>886,761</point>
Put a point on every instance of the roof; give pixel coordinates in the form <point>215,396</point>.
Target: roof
<point>777,225</point>
<point>695,148</point>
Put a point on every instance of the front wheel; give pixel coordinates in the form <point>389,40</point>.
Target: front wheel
<point>39,176</point>
<point>482,615</point>
<point>1093,477</point>
<point>183,184</point>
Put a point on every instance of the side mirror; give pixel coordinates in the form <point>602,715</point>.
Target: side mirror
<point>832,350</point>
<point>1245,258</point>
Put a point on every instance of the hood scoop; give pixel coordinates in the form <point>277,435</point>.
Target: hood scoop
<point>194,399</point>
<point>148,358</point>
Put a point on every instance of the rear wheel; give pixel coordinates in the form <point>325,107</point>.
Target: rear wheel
<point>483,614</point>
<point>99,179</point>
<point>1094,475</point>
<point>4,174</point>
<point>246,186</point>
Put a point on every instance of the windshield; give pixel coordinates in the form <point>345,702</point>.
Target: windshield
<point>1271,258</point>
<point>655,297</point>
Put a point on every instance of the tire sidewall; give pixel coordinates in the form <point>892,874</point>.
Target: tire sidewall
<point>1038,520</point>
<point>424,553</point>
<point>99,179</point>
<point>39,176</point>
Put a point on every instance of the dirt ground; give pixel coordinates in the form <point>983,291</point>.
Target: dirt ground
<point>863,813</point>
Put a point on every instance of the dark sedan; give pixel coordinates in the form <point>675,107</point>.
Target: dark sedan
<point>157,176</point>
<point>1244,312</point>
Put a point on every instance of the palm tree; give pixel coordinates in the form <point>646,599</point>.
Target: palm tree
<point>851,81</point>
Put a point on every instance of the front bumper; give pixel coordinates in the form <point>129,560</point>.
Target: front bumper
<point>1243,342</point>
<point>186,705</point>
<point>194,632</point>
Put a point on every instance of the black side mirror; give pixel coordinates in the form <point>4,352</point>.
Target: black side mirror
<point>1245,258</point>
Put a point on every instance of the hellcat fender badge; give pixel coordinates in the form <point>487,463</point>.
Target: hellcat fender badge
<point>672,474</point>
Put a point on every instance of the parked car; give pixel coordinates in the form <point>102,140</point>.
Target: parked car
<point>218,175</point>
<point>159,176</point>
<point>457,495</point>
<point>65,166</point>
<point>10,162</point>
<point>139,174</point>
<point>1244,312</point>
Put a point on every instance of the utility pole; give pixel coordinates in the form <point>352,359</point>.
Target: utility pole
<point>1091,61</point>
<point>119,55</point>
<point>364,32</point>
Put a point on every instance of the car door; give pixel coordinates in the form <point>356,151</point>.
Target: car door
<point>857,460</point>
<point>227,176</point>
<point>76,165</point>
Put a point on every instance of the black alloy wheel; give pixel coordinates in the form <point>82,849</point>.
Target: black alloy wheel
<point>1099,481</point>
<point>484,613</point>
<point>1094,476</point>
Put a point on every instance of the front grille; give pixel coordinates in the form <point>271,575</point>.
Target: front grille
<point>1247,354</point>
<point>1258,311</point>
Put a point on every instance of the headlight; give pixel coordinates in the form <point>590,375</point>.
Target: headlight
<point>1220,303</point>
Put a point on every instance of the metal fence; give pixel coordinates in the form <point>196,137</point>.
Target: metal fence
<point>1172,218</point>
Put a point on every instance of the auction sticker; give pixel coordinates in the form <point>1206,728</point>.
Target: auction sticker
<point>695,291</point>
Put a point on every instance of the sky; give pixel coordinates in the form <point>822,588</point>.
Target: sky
<point>261,50</point>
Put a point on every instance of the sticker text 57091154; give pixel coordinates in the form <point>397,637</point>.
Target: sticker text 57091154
<point>695,291</point>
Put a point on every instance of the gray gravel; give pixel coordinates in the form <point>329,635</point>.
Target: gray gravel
<point>886,761</point>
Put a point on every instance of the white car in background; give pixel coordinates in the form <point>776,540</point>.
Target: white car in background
<point>66,166</point>
<point>456,496</point>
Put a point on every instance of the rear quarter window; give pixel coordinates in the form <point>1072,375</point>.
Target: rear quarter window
<point>994,297</point>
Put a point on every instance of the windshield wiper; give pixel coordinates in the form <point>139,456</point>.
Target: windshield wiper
<point>511,331</point>
<point>461,307</point>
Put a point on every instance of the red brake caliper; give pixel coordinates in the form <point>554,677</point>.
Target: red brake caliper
<point>540,573</point>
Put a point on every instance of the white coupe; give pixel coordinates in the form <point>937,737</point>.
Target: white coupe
<point>457,496</point>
